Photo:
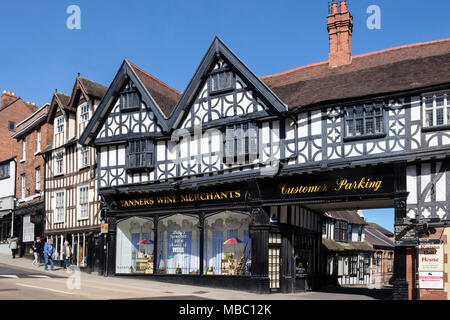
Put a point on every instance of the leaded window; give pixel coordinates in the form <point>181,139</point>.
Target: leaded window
<point>84,157</point>
<point>379,262</point>
<point>340,230</point>
<point>4,171</point>
<point>221,81</point>
<point>364,120</point>
<point>389,266</point>
<point>241,143</point>
<point>140,155</point>
<point>129,98</point>
<point>436,110</point>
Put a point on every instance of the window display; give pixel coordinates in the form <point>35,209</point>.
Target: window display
<point>179,245</point>
<point>134,252</point>
<point>227,246</point>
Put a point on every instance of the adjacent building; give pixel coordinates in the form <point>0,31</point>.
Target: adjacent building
<point>12,111</point>
<point>383,255</point>
<point>72,205</point>
<point>346,254</point>
<point>32,135</point>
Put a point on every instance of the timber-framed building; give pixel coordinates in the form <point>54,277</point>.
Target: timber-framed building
<point>227,182</point>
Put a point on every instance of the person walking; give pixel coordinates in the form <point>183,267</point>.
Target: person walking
<point>13,242</point>
<point>40,249</point>
<point>48,254</point>
<point>36,252</point>
<point>67,254</point>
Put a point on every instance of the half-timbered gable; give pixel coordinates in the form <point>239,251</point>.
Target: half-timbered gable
<point>72,203</point>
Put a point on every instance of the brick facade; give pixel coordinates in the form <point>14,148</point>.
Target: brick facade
<point>13,109</point>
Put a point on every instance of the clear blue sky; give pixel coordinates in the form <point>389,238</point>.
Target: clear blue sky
<point>169,38</point>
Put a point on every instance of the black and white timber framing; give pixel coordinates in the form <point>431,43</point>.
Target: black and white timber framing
<point>300,146</point>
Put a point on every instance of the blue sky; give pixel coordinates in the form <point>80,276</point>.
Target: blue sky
<point>169,38</point>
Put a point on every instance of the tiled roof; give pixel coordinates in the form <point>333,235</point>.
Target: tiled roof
<point>377,239</point>
<point>350,216</point>
<point>92,88</point>
<point>381,229</point>
<point>332,245</point>
<point>387,71</point>
<point>164,96</point>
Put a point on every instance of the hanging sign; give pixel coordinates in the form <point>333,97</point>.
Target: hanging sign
<point>431,257</point>
<point>104,228</point>
<point>431,280</point>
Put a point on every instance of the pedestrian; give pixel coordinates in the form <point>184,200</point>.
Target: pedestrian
<point>67,255</point>
<point>48,254</point>
<point>13,246</point>
<point>40,249</point>
<point>35,248</point>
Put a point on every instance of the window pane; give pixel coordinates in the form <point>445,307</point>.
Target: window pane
<point>379,125</point>
<point>440,101</point>
<point>429,102</point>
<point>440,116</point>
<point>359,111</point>
<point>369,126</point>
<point>429,118</point>
<point>350,128</point>
<point>359,127</point>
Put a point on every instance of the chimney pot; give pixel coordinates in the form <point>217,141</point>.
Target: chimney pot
<point>344,7</point>
<point>334,8</point>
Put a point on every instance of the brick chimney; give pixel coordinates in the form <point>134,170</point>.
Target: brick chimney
<point>340,28</point>
<point>6,98</point>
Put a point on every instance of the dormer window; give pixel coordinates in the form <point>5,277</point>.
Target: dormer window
<point>84,111</point>
<point>60,124</point>
<point>140,155</point>
<point>129,98</point>
<point>221,80</point>
<point>436,110</point>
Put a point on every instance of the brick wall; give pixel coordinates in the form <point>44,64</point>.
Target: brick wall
<point>12,109</point>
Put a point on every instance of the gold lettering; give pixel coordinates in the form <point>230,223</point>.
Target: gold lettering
<point>237,193</point>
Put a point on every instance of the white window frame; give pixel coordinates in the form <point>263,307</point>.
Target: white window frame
<point>60,123</point>
<point>58,216</point>
<point>434,108</point>
<point>85,109</point>
<point>81,157</point>
<point>38,140</point>
<point>38,178</point>
<point>24,149</point>
<point>56,171</point>
<point>23,186</point>
<point>80,204</point>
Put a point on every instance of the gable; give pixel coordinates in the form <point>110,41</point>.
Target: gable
<point>225,95</point>
<point>242,94</point>
<point>110,122</point>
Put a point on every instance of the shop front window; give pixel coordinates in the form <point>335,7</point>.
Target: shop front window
<point>135,240</point>
<point>227,245</point>
<point>179,245</point>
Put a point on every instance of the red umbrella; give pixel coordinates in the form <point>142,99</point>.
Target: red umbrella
<point>232,241</point>
<point>145,241</point>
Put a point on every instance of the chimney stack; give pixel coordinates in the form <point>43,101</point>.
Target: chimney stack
<point>340,28</point>
<point>6,98</point>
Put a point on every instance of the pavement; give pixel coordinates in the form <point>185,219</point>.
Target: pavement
<point>19,280</point>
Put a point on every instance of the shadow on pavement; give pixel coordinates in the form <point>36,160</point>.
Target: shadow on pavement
<point>384,293</point>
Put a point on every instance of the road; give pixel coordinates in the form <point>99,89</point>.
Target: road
<point>20,281</point>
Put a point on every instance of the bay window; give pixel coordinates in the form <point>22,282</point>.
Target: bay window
<point>364,120</point>
<point>436,110</point>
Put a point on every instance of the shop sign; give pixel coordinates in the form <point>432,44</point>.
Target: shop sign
<point>104,228</point>
<point>182,198</point>
<point>177,242</point>
<point>431,257</point>
<point>350,182</point>
<point>431,280</point>
<point>35,219</point>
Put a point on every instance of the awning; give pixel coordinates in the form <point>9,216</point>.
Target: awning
<point>3,213</point>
